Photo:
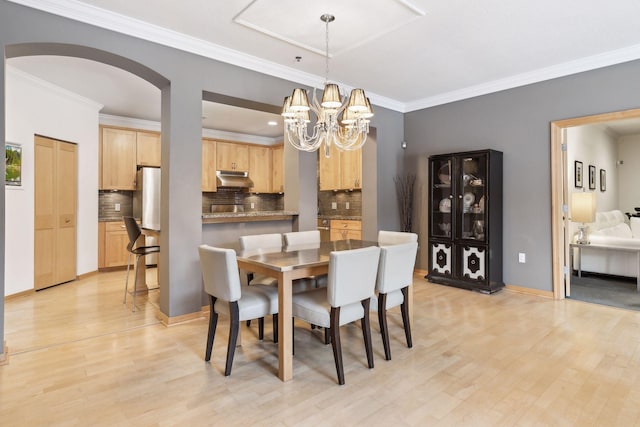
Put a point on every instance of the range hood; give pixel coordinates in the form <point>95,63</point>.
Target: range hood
<point>233,179</point>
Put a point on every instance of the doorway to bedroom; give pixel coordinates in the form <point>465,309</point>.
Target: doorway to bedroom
<point>598,156</point>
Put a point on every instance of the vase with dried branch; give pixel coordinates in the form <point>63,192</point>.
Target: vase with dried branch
<point>404,192</point>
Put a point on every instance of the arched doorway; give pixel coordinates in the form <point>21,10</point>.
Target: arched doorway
<point>82,52</point>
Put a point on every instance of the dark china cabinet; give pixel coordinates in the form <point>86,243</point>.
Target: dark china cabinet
<point>465,220</point>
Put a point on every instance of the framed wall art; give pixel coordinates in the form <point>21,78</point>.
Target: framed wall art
<point>13,165</point>
<point>577,172</point>
<point>592,177</point>
<point>603,180</point>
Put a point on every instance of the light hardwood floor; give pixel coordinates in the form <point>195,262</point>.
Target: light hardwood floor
<point>79,358</point>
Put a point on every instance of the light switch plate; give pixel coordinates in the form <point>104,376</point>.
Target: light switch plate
<point>334,205</point>
<point>117,207</point>
<point>522,258</point>
<point>346,206</point>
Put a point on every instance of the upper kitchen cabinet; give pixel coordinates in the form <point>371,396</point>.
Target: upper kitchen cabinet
<point>209,165</point>
<point>232,157</point>
<point>117,159</point>
<point>277,169</point>
<point>329,169</point>
<point>341,171</point>
<point>260,168</point>
<point>148,149</point>
<point>351,169</point>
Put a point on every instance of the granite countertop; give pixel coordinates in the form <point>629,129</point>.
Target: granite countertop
<point>345,217</point>
<point>247,216</point>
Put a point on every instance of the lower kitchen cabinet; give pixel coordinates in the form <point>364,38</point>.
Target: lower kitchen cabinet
<point>112,244</point>
<point>342,229</point>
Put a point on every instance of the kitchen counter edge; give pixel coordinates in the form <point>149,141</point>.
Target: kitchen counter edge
<point>227,217</point>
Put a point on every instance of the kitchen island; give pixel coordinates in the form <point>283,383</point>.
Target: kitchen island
<point>227,227</point>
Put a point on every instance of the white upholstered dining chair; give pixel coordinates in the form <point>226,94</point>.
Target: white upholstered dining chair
<point>228,297</point>
<point>395,275</point>
<point>305,239</point>
<point>350,286</point>
<point>386,238</point>
<point>258,242</point>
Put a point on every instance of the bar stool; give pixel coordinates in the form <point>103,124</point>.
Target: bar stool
<point>134,232</point>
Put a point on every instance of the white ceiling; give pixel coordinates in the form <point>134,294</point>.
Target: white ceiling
<point>407,54</point>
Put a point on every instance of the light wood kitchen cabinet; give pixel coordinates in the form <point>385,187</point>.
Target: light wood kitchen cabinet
<point>277,169</point>
<point>342,229</point>
<point>341,171</point>
<point>148,149</point>
<point>329,169</point>
<point>209,165</point>
<point>260,168</point>
<point>112,244</point>
<point>232,157</point>
<point>117,159</point>
<point>351,169</point>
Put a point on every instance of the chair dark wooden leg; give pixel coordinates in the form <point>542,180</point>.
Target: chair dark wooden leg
<point>334,330</point>
<point>384,329</point>
<point>213,322</point>
<point>234,327</point>
<point>261,328</point>
<point>366,332</point>
<point>275,327</point>
<point>327,336</point>
<point>248,323</point>
<point>404,309</point>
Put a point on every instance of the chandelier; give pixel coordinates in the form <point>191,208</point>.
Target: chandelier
<point>340,121</point>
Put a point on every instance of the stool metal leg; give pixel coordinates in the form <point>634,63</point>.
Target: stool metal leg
<point>126,283</point>
<point>135,284</point>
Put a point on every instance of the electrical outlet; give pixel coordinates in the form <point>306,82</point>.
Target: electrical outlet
<point>253,205</point>
<point>346,206</point>
<point>117,207</point>
<point>334,205</point>
<point>522,258</point>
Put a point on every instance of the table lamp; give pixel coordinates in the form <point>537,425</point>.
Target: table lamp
<point>583,210</point>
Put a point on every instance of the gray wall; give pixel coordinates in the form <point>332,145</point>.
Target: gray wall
<point>517,122</point>
<point>182,78</point>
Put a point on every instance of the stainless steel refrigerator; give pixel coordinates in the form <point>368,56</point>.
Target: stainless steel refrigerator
<point>146,204</point>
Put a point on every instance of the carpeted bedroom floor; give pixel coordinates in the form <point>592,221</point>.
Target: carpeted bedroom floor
<point>607,290</point>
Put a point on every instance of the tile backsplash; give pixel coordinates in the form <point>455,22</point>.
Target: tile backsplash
<point>261,202</point>
<point>340,198</point>
<point>107,201</point>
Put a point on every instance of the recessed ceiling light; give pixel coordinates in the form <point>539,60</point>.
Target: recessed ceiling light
<point>272,123</point>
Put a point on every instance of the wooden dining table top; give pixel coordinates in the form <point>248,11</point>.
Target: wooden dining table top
<point>286,258</point>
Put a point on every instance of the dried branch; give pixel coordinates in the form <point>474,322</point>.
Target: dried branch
<point>404,192</point>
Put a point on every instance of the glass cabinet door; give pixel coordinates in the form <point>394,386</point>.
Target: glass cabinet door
<point>441,198</point>
<point>472,197</point>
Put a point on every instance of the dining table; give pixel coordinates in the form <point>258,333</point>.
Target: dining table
<point>286,264</point>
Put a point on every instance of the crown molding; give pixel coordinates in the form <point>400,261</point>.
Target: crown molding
<point>98,17</point>
<point>602,60</point>
<point>53,88</point>
<point>102,18</point>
